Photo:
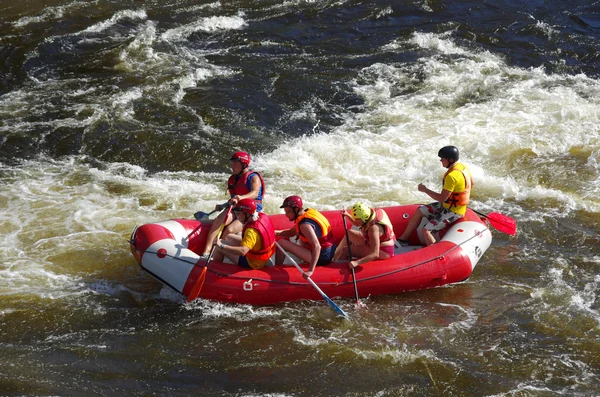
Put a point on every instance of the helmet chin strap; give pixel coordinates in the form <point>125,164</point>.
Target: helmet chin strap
<point>295,213</point>
<point>244,168</point>
<point>450,162</point>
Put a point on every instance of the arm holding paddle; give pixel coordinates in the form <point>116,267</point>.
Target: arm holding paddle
<point>310,235</point>
<point>203,215</point>
<point>200,281</point>
<point>227,246</point>
<point>313,230</point>
<point>287,233</point>
<point>310,256</point>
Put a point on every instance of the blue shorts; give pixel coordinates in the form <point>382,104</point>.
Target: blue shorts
<point>243,262</point>
<point>326,256</point>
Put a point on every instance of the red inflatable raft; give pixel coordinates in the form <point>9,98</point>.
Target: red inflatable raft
<point>164,250</point>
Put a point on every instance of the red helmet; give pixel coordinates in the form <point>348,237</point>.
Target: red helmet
<point>242,157</point>
<point>246,205</point>
<point>292,202</point>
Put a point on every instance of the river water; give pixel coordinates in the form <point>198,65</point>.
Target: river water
<point>118,113</point>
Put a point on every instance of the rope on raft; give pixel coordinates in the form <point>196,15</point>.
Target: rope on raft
<point>232,275</point>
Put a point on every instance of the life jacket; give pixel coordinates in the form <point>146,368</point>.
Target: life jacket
<point>265,229</point>
<point>326,239</point>
<point>457,199</point>
<point>240,185</point>
<point>379,217</point>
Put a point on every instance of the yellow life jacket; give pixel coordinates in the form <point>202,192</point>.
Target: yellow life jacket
<point>457,199</point>
<point>326,239</point>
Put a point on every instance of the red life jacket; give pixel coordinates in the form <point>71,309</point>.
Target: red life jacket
<point>265,229</point>
<point>379,217</point>
<point>240,185</point>
<point>460,198</point>
<point>326,239</point>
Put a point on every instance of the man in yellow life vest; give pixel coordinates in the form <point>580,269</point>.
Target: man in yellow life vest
<point>314,231</point>
<point>451,202</point>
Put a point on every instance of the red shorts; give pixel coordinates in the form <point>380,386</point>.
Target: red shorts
<point>389,249</point>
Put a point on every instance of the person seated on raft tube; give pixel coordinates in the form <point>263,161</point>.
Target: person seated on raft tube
<point>451,203</point>
<point>243,183</point>
<point>314,231</point>
<point>374,240</point>
<point>256,245</point>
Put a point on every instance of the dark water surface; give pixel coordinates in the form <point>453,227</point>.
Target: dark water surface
<point>118,113</point>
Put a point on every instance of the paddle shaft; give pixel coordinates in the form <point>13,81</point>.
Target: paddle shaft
<point>329,301</point>
<point>350,258</point>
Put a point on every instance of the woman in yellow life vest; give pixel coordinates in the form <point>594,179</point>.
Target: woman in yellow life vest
<point>374,240</point>
<point>451,202</point>
<point>314,232</point>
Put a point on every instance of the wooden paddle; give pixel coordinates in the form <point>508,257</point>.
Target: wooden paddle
<point>329,301</point>
<point>501,222</point>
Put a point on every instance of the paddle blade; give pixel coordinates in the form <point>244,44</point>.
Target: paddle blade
<point>503,223</point>
<point>198,286</point>
<point>335,307</point>
<point>200,215</point>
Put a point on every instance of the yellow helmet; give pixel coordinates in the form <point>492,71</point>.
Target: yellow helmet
<point>361,211</point>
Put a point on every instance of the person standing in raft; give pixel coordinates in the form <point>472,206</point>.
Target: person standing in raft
<point>256,245</point>
<point>374,240</point>
<point>243,183</point>
<point>450,204</point>
<point>314,231</point>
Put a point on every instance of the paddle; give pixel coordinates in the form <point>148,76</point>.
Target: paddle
<point>200,280</point>
<point>329,301</point>
<point>358,302</point>
<point>501,222</point>
<point>202,215</point>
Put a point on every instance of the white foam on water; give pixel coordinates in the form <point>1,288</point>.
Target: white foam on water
<point>569,294</point>
<point>525,389</point>
<point>474,100</point>
<point>181,68</point>
<point>240,312</point>
<point>206,24</point>
<point>63,220</point>
<point>122,103</point>
<point>49,13</point>
<point>52,13</point>
<point>469,321</point>
<point>187,10</point>
<point>401,356</point>
<point>115,19</point>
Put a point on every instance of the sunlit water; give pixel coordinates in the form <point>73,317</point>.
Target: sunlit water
<point>114,114</point>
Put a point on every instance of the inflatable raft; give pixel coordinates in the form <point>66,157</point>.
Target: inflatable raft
<point>168,251</point>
